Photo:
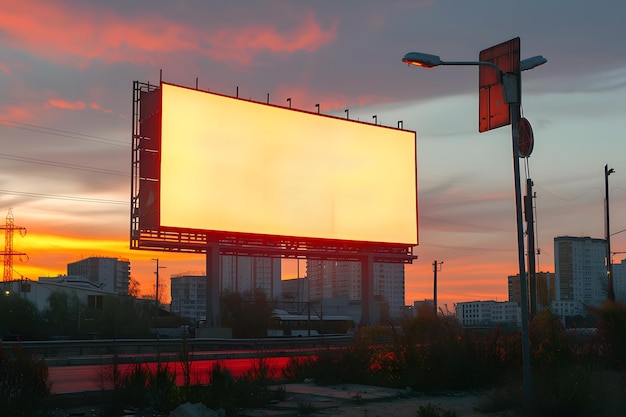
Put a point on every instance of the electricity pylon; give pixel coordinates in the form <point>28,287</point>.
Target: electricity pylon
<point>8,252</point>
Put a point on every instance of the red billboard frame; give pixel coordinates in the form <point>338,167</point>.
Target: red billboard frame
<point>147,234</point>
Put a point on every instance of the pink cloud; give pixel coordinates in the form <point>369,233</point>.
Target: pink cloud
<point>61,104</point>
<point>5,69</point>
<point>95,106</point>
<point>82,35</point>
<point>16,113</point>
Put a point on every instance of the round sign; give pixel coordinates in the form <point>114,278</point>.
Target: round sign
<point>526,138</point>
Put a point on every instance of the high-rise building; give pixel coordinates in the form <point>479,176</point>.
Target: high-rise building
<point>238,274</point>
<point>580,270</point>
<point>246,274</point>
<point>188,296</point>
<point>112,274</point>
<point>295,294</point>
<point>619,280</point>
<point>545,286</point>
<point>332,279</point>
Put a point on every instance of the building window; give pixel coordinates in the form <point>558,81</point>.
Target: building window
<point>94,302</point>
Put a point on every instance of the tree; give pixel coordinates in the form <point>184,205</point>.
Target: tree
<point>19,318</point>
<point>121,317</point>
<point>63,313</point>
<point>133,287</point>
<point>248,314</point>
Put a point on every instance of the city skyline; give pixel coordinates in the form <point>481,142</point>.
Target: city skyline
<point>66,73</point>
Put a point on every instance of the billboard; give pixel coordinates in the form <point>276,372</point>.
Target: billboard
<point>223,166</point>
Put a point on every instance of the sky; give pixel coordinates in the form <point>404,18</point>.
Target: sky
<point>67,70</point>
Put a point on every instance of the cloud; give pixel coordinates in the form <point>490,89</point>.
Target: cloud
<point>18,113</point>
<point>81,36</point>
<point>96,106</point>
<point>5,69</point>
<point>76,105</point>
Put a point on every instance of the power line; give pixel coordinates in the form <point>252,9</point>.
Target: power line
<point>62,133</point>
<point>461,223</point>
<point>65,197</point>
<point>61,164</point>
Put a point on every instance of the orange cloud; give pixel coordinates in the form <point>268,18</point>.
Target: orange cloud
<point>77,105</point>
<point>95,106</point>
<point>5,69</point>
<point>308,36</point>
<point>83,35</point>
<point>15,113</point>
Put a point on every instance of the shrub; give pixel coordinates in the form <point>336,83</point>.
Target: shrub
<point>220,392</point>
<point>254,387</point>
<point>305,408</point>
<point>431,410</point>
<point>439,354</point>
<point>299,368</point>
<point>23,383</point>
<point>549,342</point>
<point>163,393</point>
<point>611,317</point>
<point>133,388</point>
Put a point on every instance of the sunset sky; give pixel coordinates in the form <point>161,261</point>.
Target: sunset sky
<point>67,70</point>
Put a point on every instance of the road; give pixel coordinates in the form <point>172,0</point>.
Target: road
<point>81,378</point>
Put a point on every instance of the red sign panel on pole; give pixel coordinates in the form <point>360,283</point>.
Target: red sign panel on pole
<point>493,111</point>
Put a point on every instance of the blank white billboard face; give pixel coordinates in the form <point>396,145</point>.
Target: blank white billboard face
<point>237,166</point>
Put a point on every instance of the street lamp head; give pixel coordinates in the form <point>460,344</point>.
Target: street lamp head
<point>422,60</point>
<point>532,62</point>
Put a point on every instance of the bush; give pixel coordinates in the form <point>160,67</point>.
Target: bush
<point>611,319</point>
<point>133,388</point>
<point>23,383</point>
<point>431,410</point>
<point>220,391</point>
<point>439,354</point>
<point>254,386</point>
<point>298,369</point>
<point>163,393</point>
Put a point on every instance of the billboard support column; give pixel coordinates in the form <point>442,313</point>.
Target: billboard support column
<point>367,289</point>
<point>212,285</point>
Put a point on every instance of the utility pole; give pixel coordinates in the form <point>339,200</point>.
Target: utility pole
<point>530,235</point>
<point>436,267</point>
<point>609,272</point>
<point>156,291</point>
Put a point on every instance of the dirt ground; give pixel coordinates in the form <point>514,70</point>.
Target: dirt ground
<point>405,407</point>
<point>348,400</point>
<point>366,401</point>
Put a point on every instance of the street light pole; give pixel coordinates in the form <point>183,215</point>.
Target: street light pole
<point>609,271</point>
<point>511,86</point>
<point>514,109</point>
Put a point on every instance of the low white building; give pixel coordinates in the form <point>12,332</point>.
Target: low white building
<point>38,292</point>
<point>489,313</point>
